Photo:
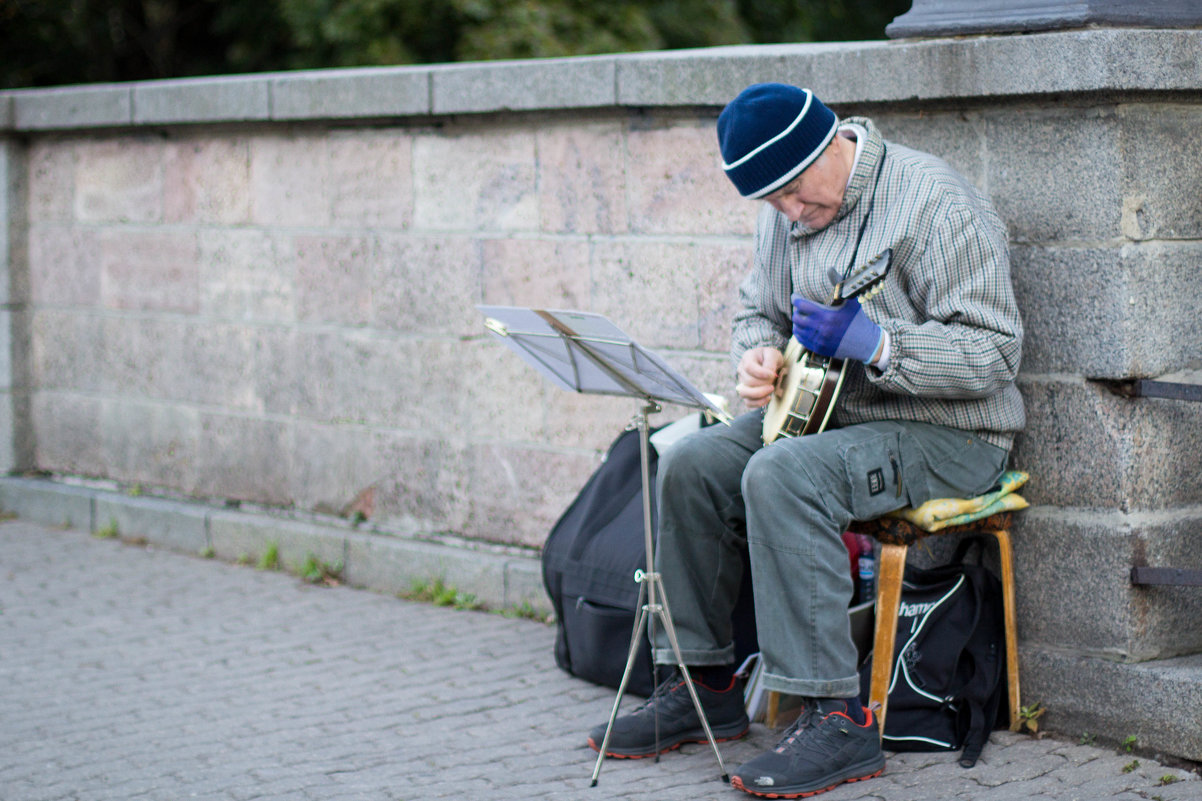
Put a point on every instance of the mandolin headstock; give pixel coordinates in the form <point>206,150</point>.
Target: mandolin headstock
<point>866,280</point>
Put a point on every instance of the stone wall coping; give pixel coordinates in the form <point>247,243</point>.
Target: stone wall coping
<point>931,70</point>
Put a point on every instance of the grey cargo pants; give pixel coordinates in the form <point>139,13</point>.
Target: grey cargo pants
<point>790,503</point>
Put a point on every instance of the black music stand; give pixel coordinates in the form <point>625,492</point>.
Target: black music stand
<point>586,353</point>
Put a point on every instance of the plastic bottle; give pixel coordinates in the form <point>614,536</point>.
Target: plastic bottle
<point>851,541</point>
<point>866,588</point>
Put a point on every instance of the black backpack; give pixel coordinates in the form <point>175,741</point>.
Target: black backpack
<point>949,676</point>
<point>589,561</point>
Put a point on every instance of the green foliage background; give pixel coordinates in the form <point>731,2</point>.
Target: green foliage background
<point>54,42</point>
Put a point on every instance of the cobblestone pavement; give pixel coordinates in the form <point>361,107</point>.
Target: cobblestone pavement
<point>130,673</point>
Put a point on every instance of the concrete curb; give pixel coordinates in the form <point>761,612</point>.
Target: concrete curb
<point>500,578</point>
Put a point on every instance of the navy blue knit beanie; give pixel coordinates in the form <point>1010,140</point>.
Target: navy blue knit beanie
<point>769,134</point>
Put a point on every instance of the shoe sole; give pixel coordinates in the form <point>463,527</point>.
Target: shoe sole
<point>669,746</point>
<point>737,782</point>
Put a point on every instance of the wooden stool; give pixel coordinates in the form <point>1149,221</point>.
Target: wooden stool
<point>896,536</point>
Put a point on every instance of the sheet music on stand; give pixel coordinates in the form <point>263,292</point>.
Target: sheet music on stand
<point>586,352</point>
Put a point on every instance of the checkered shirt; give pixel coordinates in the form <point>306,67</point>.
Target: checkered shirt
<point>946,302</point>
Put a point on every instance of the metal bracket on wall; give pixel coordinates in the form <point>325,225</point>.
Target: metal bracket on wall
<point>1171,576</point>
<point>1154,388</point>
<point>1171,388</point>
<point>1157,388</point>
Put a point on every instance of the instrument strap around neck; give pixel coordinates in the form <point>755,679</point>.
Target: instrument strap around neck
<point>855,254</point>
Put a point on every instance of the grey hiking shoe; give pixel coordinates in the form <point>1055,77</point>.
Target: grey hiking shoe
<point>634,734</point>
<point>823,749</point>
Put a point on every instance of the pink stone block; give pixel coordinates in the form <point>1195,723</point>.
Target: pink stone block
<point>332,465</point>
<point>650,290</point>
<point>475,181</point>
<point>720,267</point>
<point>244,458</point>
<point>424,484</point>
<point>582,180</point>
<point>242,368</point>
<point>371,178</point>
<point>64,265</point>
<point>426,285</point>
<point>500,396</point>
<point>334,278</point>
<point>243,277</point>
<point>149,270</point>
<point>68,439</point>
<point>519,492</point>
<point>357,376</point>
<point>66,350</point>
<point>51,171</point>
<point>537,273</point>
<point>289,180</point>
<point>677,186</point>
<point>207,180</point>
<point>119,181</point>
<point>148,356</point>
<point>150,443</point>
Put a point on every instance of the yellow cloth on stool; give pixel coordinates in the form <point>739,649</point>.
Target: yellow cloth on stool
<point>940,513</point>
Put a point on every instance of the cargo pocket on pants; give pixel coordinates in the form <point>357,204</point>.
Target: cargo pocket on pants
<point>876,473</point>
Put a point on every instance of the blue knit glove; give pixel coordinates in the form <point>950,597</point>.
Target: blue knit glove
<point>843,332</point>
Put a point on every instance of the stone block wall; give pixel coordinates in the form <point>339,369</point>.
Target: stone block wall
<point>262,288</point>
<point>285,314</point>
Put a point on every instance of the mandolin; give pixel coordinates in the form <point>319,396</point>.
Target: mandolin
<point>808,385</point>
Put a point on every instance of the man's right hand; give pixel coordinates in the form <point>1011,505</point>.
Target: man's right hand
<point>757,375</point>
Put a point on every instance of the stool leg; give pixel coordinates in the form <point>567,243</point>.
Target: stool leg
<point>888,598</point>
<point>1007,564</point>
<point>772,710</point>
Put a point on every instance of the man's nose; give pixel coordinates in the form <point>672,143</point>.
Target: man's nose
<point>792,208</point>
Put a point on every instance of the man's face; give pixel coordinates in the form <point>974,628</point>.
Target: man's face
<point>814,197</point>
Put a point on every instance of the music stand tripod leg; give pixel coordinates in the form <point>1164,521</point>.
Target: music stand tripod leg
<point>639,622</point>
<point>646,612</point>
<point>670,630</point>
<point>651,587</point>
